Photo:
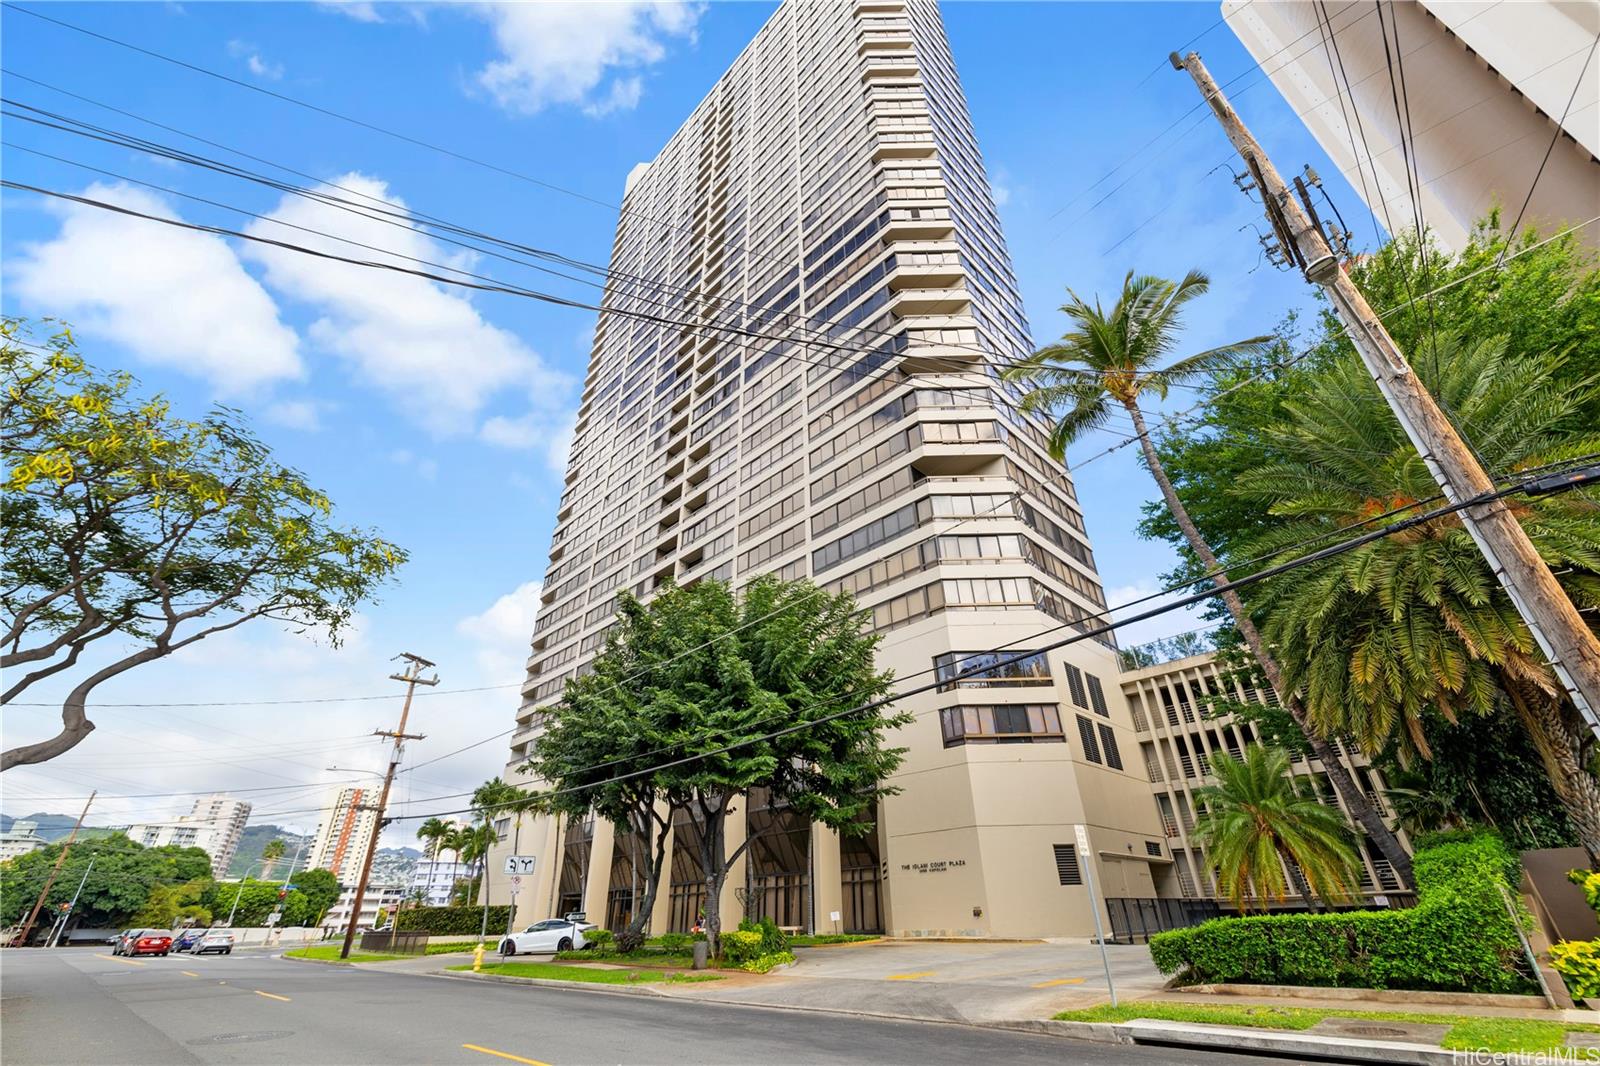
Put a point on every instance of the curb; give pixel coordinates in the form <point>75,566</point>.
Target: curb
<point>1396,997</point>
<point>586,986</point>
<point>1297,1045</point>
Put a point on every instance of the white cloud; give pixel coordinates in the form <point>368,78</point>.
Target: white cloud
<point>577,53</point>
<point>296,414</point>
<point>1162,625</point>
<point>423,344</point>
<point>176,298</point>
<point>360,10</point>
<point>550,433</point>
<point>503,632</point>
<point>254,61</point>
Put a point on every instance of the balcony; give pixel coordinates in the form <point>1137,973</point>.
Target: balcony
<point>904,146</point>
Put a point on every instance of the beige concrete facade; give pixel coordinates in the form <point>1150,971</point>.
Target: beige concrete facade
<point>1486,84</point>
<point>828,199</point>
<point>1179,730</point>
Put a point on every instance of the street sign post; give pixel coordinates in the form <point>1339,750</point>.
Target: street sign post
<point>1086,862</point>
<point>516,884</point>
<point>520,865</point>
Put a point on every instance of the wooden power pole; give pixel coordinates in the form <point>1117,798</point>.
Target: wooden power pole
<point>1566,641</point>
<point>412,677</point>
<point>55,871</point>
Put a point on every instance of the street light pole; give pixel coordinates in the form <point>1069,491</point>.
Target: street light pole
<point>55,937</point>
<point>412,678</point>
<point>238,891</point>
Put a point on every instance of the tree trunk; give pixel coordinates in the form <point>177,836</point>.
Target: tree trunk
<point>1552,736</point>
<point>1355,801</point>
<point>712,848</point>
<point>655,853</point>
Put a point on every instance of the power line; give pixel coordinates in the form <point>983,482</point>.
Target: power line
<point>1252,579</point>
<point>1554,137</point>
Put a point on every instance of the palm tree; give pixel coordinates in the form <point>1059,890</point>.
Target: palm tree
<point>1257,821</point>
<point>433,833</point>
<point>1111,359</point>
<point>491,800</point>
<point>1376,637</point>
<point>270,856</point>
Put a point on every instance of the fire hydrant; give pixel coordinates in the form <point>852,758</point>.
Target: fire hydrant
<point>477,958</point>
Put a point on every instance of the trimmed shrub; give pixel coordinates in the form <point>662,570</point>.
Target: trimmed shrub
<point>678,943</point>
<point>740,946</point>
<point>450,921</point>
<point>1458,938</point>
<point>599,939</point>
<point>773,940</point>
<point>1578,963</point>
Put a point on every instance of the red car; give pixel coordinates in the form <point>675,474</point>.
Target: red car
<point>148,942</point>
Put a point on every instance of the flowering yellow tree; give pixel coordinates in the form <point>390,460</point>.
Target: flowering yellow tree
<point>123,520</point>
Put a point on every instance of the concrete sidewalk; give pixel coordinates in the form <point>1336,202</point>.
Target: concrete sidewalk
<point>982,982</point>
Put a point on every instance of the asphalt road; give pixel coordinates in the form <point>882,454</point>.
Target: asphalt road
<point>76,1006</point>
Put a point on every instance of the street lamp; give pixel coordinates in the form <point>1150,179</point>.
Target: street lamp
<point>239,891</point>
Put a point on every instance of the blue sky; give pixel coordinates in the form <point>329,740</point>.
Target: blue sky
<point>439,416</point>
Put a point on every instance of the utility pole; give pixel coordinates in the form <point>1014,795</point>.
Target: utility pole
<point>27,926</point>
<point>66,915</point>
<point>1566,641</point>
<point>412,677</point>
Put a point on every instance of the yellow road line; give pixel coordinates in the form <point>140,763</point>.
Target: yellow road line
<point>118,958</point>
<point>271,995</point>
<point>1060,981</point>
<point>504,1055</point>
<point>910,976</point>
<point>188,973</point>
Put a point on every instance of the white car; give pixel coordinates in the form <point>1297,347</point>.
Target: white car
<point>550,935</point>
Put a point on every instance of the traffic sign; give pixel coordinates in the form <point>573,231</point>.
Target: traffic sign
<point>520,864</point>
<point>1083,841</point>
<point>272,919</point>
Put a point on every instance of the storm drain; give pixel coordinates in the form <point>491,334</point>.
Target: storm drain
<point>244,1038</point>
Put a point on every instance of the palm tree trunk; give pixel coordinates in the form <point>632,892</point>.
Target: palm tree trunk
<point>1574,785</point>
<point>1355,801</point>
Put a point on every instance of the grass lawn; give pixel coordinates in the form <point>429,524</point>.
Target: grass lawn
<point>1467,1032</point>
<point>644,958</point>
<point>330,953</point>
<point>551,971</point>
<point>830,938</point>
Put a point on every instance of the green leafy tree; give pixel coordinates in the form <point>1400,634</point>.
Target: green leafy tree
<point>257,899</point>
<point>123,521</point>
<point>270,855</point>
<point>1377,638</point>
<point>476,842</point>
<point>320,889</point>
<point>1115,359</point>
<point>755,691</point>
<point>120,885</point>
<point>1257,820</point>
<point>168,903</point>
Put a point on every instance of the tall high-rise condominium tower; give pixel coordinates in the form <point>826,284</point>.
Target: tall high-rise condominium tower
<point>823,229</point>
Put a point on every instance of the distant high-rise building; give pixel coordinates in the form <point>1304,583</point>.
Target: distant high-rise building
<point>20,839</point>
<point>214,825</point>
<point>1482,89</point>
<point>831,409</point>
<point>348,823</point>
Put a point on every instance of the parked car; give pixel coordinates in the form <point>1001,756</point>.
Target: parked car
<point>215,940</point>
<point>119,943</point>
<point>187,940</point>
<point>550,935</point>
<point>148,942</point>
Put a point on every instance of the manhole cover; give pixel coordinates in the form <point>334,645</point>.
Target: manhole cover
<point>244,1038</point>
<point>1373,1030</point>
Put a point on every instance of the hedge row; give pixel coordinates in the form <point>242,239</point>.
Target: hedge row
<point>1458,938</point>
<point>450,921</point>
